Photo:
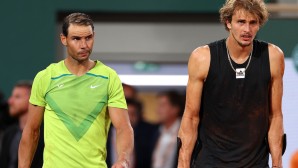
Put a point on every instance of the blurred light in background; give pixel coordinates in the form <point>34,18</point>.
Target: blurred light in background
<point>154,80</point>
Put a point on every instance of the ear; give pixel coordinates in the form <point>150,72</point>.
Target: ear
<point>63,39</point>
<point>229,25</point>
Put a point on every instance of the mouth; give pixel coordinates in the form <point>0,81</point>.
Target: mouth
<point>246,37</point>
<point>84,53</point>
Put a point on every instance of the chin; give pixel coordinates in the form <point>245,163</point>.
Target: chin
<point>14,114</point>
<point>82,59</point>
<point>245,43</point>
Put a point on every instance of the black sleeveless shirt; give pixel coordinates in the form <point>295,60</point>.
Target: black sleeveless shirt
<point>234,116</point>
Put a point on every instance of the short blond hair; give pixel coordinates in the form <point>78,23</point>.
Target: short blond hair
<point>255,7</point>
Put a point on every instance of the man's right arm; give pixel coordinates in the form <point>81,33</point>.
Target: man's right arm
<point>198,67</point>
<point>30,136</point>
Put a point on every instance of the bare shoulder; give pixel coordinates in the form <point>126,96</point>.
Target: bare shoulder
<point>200,54</point>
<point>276,57</point>
<point>275,53</point>
<point>199,62</point>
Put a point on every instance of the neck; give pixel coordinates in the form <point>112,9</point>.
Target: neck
<point>78,68</point>
<point>23,120</point>
<point>238,52</point>
<point>169,124</point>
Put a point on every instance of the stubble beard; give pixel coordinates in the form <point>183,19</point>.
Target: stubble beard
<point>77,58</point>
<point>16,113</point>
<point>239,42</point>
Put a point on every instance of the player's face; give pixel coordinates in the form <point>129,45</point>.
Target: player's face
<point>19,101</point>
<point>79,42</point>
<point>165,111</point>
<point>243,27</point>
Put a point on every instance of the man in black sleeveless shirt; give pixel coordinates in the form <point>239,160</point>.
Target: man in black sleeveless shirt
<point>233,115</point>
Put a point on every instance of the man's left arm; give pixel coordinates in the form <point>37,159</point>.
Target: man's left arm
<point>276,131</point>
<point>124,136</point>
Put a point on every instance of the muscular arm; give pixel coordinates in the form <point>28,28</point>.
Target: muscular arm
<point>198,67</point>
<point>276,131</point>
<point>30,136</point>
<point>124,136</point>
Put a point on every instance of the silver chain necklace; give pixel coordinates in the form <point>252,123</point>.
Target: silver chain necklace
<point>240,72</point>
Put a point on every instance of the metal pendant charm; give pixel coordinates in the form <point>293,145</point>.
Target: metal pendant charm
<point>240,73</point>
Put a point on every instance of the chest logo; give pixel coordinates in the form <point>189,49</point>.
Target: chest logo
<point>94,86</point>
<point>240,73</point>
<point>60,85</point>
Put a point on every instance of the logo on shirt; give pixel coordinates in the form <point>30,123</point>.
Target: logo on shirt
<point>60,85</point>
<point>94,86</point>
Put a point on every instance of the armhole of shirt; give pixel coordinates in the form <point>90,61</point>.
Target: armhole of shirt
<point>213,50</point>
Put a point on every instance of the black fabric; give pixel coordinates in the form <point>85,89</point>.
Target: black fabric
<point>145,137</point>
<point>8,139</point>
<point>109,143</point>
<point>14,148</point>
<point>234,116</point>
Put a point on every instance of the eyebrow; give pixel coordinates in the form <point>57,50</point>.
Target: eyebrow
<point>241,20</point>
<point>90,35</point>
<point>76,37</point>
<point>244,20</point>
<point>255,21</point>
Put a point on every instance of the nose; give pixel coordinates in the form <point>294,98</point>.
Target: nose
<point>247,28</point>
<point>83,44</point>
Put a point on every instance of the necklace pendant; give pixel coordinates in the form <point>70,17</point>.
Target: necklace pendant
<point>240,73</point>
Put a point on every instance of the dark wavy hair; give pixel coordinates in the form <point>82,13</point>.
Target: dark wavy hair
<point>77,19</point>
